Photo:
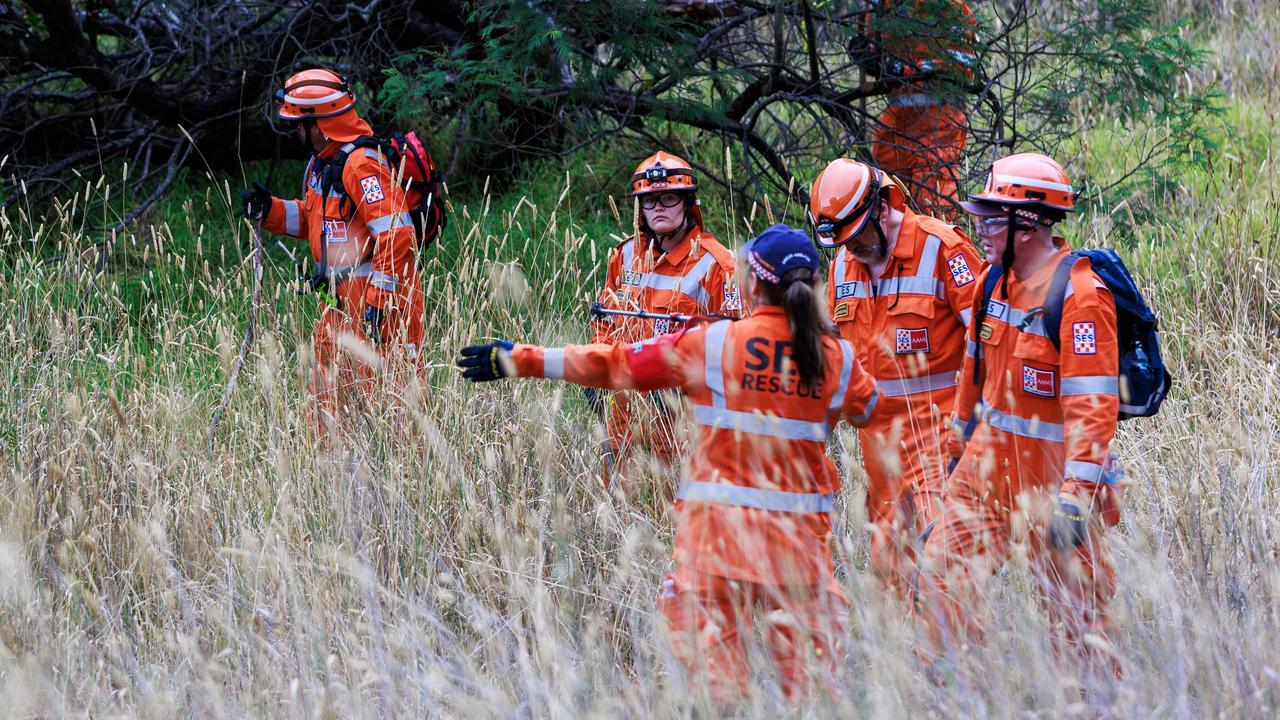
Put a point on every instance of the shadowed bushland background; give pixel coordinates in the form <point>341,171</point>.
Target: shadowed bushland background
<point>458,556</point>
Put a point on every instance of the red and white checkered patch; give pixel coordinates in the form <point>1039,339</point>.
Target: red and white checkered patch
<point>372,190</point>
<point>960,271</point>
<point>1084,339</point>
<point>1038,382</point>
<point>912,340</point>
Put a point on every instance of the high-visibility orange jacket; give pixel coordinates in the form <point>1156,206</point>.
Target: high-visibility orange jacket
<point>694,278</point>
<point>755,503</point>
<point>908,328</point>
<point>1044,415</point>
<point>369,236</point>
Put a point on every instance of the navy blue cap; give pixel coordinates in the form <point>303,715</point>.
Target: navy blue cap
<point>779,250</point>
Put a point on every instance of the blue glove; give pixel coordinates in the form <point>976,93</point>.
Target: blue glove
<point>486,363</point>
<point>372,323</point>
<point>1070,526</point>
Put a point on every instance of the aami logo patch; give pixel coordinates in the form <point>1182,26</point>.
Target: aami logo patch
<point>911,340</point>
<point>1038,382</point>
<point>372,190</point>
<point>960,272</point>
<point>1084,338</point>
<point>335,231</point>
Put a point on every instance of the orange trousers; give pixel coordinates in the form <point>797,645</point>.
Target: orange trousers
<point>975,537</point>
<point>923,145</point>
<point>348,367</point>
<point>707,617</point>
<point>905,480</point>
<point>639,422</point>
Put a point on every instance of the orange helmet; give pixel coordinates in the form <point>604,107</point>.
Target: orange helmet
<point>1028,180</point>
<point>326,97</point>
<point>843,197</point>
<point>663,172</point>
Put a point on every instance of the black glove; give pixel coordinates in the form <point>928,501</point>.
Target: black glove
<point>257,201</point>
<point>485,363</point>
<point>1070,525</point>
<point>372,322</point>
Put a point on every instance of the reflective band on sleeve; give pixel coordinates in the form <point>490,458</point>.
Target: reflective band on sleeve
<point>1014,425</point>
<point>760,499</point>
<point>972,349</point>
<point>383,281</point>
<point>377,226</point>
<point>871,407</point>
<point>929,257</point>
<point>291,225</point>
<point>553,363</point>
<point>966,315</point>
<point>911,386</point>
<point>1080,470</point>
<point>963,428</point>
<point>342,273</point>
<point>846,371</point>
<point>714,368</point>
<point>758,424</point>
<point>1091,385</point>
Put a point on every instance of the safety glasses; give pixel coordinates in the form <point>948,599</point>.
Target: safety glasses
<point>666,200</point>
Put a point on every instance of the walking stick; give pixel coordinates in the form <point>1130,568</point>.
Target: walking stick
<point>250,326</point>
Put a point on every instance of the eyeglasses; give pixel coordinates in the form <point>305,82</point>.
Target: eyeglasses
<point>666,200</point>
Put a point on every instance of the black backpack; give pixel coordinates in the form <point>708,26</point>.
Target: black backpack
<point>421,180</point>
<point>1144,379</point>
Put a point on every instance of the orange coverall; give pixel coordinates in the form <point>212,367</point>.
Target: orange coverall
<point>908,329</point>
<point>371,253</point>
<point>922,132</point>
<point>1045,425</point>
<point>753,514</point>
<point>695,278</point>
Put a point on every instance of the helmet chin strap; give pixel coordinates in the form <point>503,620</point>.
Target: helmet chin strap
<point>1006,257</point>
<point>875,223</point>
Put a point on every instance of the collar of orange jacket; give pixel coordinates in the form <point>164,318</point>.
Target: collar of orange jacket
<point>677,254</point>
<point>1043,274</point>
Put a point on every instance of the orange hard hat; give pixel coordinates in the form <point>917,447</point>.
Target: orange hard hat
<point>843,197</point>
<point>326,97</point>
<point>663,172</point>
<point>1029,181</point>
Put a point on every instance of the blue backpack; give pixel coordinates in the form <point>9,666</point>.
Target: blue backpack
<point>1144,380</point>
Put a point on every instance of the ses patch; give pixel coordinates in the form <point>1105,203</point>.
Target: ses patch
<point>1084,338</point>
<point>661,326</point>
<point>372,190</point>
<point>1038,382</point>
<point>960,272</point>
<point>732,296</point>
<point>911,340</point>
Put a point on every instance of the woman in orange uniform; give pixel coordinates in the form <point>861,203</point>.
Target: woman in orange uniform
<point>753,513</point>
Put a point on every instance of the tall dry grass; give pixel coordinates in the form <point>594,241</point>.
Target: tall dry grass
<point>458,557</point>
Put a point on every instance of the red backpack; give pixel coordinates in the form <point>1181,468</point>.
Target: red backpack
<point>420,178</point>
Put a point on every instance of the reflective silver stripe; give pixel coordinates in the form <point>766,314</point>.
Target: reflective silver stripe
<point>912,100</point>
<point>910,286</point>
<point>966,315</point>
<point>553,363</point>
<point>375,155</point>
<point>291,225</point>
<point>962,426</point>
<point>347,148</point>
<point>911,386</point>
<point>715,369</point>
<point>1014,425</point>
<point>929,257</point>
<point>841,266</point>
<point>1071,288</point>
<point>846,370</point>
<point>760,499</point>
<point>972,349</point>
<point>383,281</point>
<point>871,407</point>
<point>386,223</point>
<point>628,254</point>
<point>1081,470</point>
<point>1091,385</point>
<point>342,273</point>
<point>675,283</point>
<point>758,424</point>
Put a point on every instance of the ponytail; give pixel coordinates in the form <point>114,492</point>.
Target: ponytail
<point>799,300</point>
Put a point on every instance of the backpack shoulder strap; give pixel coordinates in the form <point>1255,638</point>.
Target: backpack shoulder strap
<point>1055,297</point>
<point>988,289</point>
